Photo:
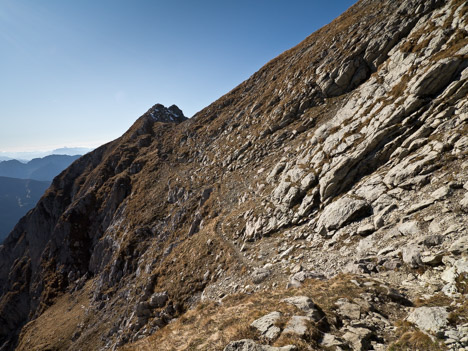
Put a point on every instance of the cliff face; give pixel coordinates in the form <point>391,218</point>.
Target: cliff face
<point>339,169</point>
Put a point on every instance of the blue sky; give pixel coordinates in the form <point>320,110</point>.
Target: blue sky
<point>79,73</point>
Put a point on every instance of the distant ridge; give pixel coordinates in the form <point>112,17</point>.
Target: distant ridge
<point>42,169</point>
<point>29,155</point>
<point>17,197</point>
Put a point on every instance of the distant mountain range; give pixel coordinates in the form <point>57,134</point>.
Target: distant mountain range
<point>17,197</point>
<point>22,185</point>
<point>29,155</point>
<point>42,169</point>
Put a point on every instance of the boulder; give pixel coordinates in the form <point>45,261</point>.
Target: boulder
<point>429,319</point>
<point>341,212</point>
<point>349,310</point>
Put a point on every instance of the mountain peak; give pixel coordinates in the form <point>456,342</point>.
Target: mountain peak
<point>160,113</point>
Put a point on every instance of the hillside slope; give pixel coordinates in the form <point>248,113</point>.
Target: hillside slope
<point>335,178</point>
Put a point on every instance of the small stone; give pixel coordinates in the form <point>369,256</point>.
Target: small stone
<point>296,269</point>
<point>412,256</point>
<point>359,338</point>
<point>432,260</point>
<point>433,240</point>
<point>441,193</point>
<point>365,230</point>
<point>340,212</point>
<point>158,299</point>
<point>259,275</point>
<point>330,340</point>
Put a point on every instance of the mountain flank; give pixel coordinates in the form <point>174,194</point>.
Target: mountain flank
<point>321,204</point>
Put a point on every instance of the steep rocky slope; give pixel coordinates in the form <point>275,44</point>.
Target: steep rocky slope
<point>321,204</point>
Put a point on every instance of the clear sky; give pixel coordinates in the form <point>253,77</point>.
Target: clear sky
<point>79,73</point>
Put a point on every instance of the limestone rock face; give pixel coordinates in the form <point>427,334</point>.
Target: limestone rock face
<point>337,174</point>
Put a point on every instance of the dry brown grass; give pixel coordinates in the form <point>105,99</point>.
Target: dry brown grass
<point>54,329</point>
<point>211,325</point>
<point>436,300</point>
<point>411,338</point>
<point>459,314</point>
<point>416,341</point>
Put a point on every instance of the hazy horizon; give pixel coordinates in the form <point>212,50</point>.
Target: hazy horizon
<point>31,154</point>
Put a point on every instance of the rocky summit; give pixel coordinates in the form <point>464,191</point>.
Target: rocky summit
<point>320,205</point>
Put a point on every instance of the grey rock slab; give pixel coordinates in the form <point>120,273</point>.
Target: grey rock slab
<point>305,304</point>
<point>409,228</point>
<point>429,319</point>
<point>330,340</point>
<point>266,325</point>
<point>348,309</point>
<point>250,345</point>
<point>419,206</point>
<point>412,256</point>
<point>358,338</point>
<point>441,193</point>
<point>432,259</point>
<point>297,325</point>
<point>435,78</point>
<point>341,212</point>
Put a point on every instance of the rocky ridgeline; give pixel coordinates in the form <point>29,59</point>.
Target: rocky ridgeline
<point>333,183</point>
